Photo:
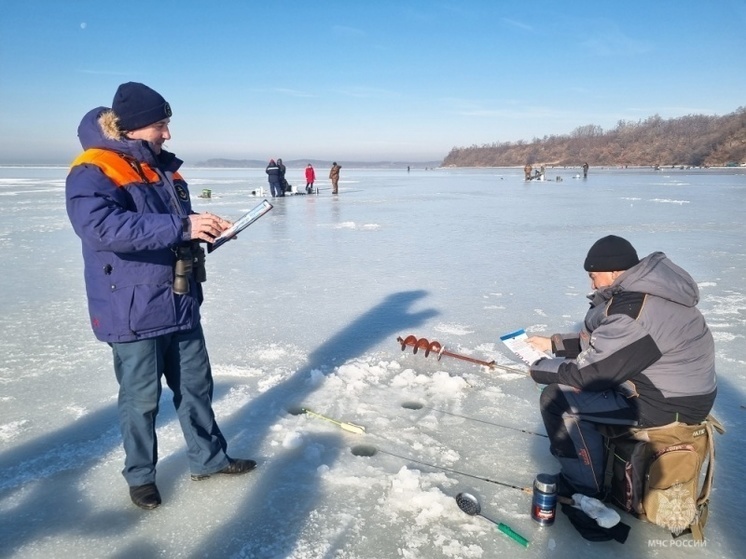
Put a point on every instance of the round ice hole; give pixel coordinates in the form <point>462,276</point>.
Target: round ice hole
<point>413,405</point>
<point>364,450</point>
<point>296,410</point>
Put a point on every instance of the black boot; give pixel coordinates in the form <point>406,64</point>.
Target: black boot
<point>235,466</point>
<point>145,496</point>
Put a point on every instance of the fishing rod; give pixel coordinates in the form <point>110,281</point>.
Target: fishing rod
<point>347,426</point>
<point>359,429</point>
<point>593,507</point>
<point>367,451</point>
<point>439,349</point>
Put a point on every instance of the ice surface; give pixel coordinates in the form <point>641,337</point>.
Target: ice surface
<point>304,309</point>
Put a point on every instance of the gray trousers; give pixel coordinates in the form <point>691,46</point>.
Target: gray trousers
<point>570,418</point>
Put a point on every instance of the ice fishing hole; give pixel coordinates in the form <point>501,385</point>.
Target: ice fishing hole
<point>413,405</point>
<point>296,410</point>
<point>364,450</point>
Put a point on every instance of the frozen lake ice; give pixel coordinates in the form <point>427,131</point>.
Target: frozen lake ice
<point>304,309</point>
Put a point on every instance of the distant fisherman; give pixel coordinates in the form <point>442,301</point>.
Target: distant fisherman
<point>334,176</point>
<point>274,176</point>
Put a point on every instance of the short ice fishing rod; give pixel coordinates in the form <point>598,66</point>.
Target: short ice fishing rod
<point>350,427</point>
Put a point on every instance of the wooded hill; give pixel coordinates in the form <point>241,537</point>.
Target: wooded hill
<point>692,140</point>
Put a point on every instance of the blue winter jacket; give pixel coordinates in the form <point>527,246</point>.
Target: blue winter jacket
<point>274,174</point>
<point>130,208</point>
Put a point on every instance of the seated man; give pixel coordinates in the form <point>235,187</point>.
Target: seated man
<point>644,357</point>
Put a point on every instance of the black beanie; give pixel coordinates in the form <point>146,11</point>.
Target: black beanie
<point>137,106</point>
<point>611,254</point>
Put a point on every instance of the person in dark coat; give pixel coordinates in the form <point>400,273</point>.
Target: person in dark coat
<point>131,208</point>
<point>283,181</point>
<point>275,179</point>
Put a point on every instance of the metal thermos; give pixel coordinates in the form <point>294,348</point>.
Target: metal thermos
<point>544,502</point>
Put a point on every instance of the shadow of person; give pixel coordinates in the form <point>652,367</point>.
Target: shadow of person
<point>290,485</point>
<point>269,522</point>
<point>389,317</point>
<point>44,483</point>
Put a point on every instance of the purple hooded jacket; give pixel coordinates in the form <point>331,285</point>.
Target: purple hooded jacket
<point>129,232</point>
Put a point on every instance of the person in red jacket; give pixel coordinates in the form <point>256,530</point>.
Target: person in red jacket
<point>310,178</point>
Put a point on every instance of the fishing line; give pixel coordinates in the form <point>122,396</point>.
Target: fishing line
<point>418,405</point>
<point>366,451</point>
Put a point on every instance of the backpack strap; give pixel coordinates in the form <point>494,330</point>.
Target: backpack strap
<point>711,424</point>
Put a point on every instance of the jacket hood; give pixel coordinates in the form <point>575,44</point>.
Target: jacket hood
<point>659,276</point>
<point>92,135</point>
<point>99,130</point>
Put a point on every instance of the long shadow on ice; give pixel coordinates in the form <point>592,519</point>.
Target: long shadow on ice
<point>49,477</point>
<point>272,518</point>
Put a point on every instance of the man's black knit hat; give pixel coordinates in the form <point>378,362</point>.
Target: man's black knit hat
<point>611,254</point>
<point>138,106</point>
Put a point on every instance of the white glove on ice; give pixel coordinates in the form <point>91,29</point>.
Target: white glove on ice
<point>605,517</point>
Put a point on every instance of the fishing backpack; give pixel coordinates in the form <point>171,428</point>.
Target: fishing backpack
<point>664,474</point>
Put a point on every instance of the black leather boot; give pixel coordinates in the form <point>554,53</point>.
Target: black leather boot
<point>145,496</point>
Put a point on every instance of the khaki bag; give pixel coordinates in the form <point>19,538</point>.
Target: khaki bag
<point>656,473</point>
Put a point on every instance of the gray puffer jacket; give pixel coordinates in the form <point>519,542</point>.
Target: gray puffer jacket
<point>643,332</point>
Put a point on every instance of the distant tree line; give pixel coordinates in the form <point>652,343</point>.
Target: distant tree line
<point>692,140</point>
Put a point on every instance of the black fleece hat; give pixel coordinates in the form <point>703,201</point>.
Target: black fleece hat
<point>611,254</point>
<point>137,106</point>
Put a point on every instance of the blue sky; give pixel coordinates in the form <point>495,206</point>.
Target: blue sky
<point>363,80</point>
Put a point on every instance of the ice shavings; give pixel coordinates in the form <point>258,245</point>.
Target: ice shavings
<point>453,329</point>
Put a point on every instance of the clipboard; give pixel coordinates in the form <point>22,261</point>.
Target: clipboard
<point>240,224</point>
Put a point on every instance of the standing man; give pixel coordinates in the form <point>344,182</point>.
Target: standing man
<point>310,178</point>
<point>334,176</point>
<point>284,186</point>
<point>143,266</point>
<point>585,170</point>
<point>274,178</point>
<point>644,357</point>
